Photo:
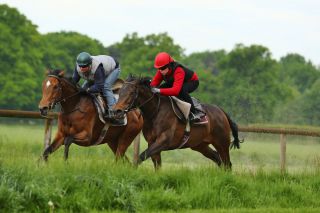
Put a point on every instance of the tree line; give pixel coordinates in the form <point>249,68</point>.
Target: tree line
<point>246,82</point>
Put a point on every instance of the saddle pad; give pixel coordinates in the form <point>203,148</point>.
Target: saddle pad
<point>98,102</point>
<point>184,106</point>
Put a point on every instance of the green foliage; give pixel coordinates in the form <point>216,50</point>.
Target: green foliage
<point>303,80</point>
<point>206,61</point>
<point>297,72</point>
<point>205,64</point>
<point>136,54</point>
<point>62,48</point>
<point>20,61</point>
<point>250,84</point>
<point>310,107</point>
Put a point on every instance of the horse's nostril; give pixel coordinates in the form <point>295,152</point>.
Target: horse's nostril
<point>44,111</point>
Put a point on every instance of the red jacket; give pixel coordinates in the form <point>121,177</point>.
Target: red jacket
<point>178,76</point>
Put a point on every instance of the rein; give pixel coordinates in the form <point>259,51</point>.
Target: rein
<point>132,107</point>
<point>63,99</point>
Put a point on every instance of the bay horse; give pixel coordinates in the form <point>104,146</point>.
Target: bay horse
<point>164,131</point>
<point>78,121</point>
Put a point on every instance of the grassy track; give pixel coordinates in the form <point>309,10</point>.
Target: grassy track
<point>92,182</point>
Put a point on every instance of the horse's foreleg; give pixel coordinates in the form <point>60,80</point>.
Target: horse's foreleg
<point>124,141</point>
<point>57,142</point>
<point>161,144</point>
<point>67,142</point>
<point>113,146</point>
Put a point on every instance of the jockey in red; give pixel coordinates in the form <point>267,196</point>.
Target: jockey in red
<point>178,80</point>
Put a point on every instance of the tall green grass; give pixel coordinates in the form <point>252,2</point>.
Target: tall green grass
<point>91,181</point>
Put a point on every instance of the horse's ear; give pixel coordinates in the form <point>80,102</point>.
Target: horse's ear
<point>130,77</point>
<point>47,72</point>
<point>145,82</point>
<point>61,73</point>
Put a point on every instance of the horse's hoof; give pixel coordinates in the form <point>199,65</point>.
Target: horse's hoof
<point>44,158</point>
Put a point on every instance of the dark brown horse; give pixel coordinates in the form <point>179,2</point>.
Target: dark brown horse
<point>164,131</point>
<point>78,121</point>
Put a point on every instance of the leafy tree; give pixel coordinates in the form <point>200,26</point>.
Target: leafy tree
<point>250,84</point>
<point>20,60</point>
<point>206,66</point>
<point>136,54</point>
<point>309,108</point>
<point>62,48</point>
<point>304,109</point>
<point>297,72</point>
<point>207,60</point>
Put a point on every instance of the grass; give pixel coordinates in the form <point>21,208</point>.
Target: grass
<point>91,181</point>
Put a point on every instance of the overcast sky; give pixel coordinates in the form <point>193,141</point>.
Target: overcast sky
<point>283,26</point>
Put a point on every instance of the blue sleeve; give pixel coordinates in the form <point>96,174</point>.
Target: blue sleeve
<point>99,78</point>
<point>75,76</point>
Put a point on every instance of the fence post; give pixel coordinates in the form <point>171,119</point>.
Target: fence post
<point>47,132</point>
<point>136,147</point>
<point>283,153</point>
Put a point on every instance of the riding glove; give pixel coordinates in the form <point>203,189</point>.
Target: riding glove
<point>155,90</point>
<point>83,90</point>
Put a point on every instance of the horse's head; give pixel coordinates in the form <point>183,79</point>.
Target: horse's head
<point>129,94</point>
<point>51,91</point>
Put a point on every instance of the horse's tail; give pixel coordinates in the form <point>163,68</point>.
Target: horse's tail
<point>234,129</point>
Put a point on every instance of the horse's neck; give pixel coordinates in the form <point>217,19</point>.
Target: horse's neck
<point>71,99</point>
<point>151,109</point>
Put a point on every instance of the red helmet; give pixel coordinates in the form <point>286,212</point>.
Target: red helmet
<point>162,59</point>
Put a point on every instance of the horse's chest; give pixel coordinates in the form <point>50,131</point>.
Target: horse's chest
<point>72,126</point>
<point>149,134</point>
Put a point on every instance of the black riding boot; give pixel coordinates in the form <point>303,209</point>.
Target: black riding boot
<point>109,114</point>
<point>193,116</point>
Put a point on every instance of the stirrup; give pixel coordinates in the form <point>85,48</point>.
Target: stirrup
<point>117,122</point>
<point>194,118</point>
<point>109,114</point>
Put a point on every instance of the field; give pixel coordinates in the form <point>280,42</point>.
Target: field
<point>91,181</point>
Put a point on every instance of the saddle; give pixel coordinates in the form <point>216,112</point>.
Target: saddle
<point>101,104</point>
<point>182,110</point>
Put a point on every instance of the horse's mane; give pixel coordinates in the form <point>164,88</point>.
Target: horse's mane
<point>59,73</point>
<point>145,81</point>
<point>56,72</point>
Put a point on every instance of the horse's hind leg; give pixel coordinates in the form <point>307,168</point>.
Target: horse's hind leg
<point>223,150</point>
<point>67,143</point>
<point>130,133</point>
<point>205,150</point>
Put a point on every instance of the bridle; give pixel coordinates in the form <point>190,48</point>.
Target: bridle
<point>61,98</point>
<point>132,105</point>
